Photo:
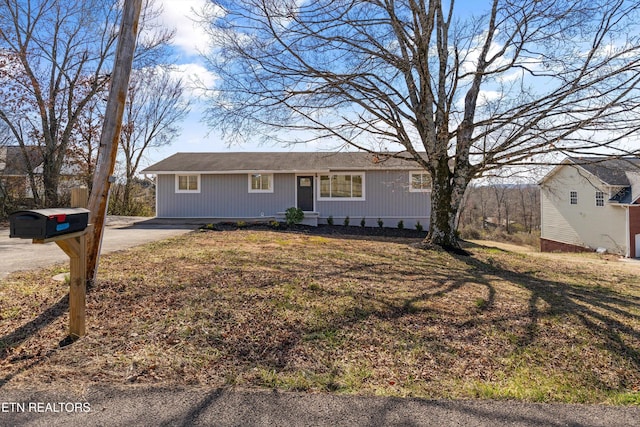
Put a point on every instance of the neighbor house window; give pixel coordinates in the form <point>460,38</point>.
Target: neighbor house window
<point>342,186</point>
<point>187,183</point>
<point>599,198</point>
<point>260,183</point>
<point>573,197</point>
<point>419,182</point>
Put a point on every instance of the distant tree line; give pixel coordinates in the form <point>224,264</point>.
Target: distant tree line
<point>511,208</point>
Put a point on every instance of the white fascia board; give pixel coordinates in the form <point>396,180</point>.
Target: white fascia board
<point>553,171</point>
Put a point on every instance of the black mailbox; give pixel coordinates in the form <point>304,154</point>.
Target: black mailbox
<point>46,223</point>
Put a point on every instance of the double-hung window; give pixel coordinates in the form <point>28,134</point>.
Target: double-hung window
<point>187,183</point>
<point>261,183</point>
<point>573,197</point>
<point>342,186</point>
<point>599,198</point>
<point>419,182</point>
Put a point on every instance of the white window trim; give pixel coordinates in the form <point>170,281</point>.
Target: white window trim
<point>269,190</point>
<point>417,190</point>
<point>571,197</point>
<point>342,199</point>
<point>177,181</point>
<point>601,199</point>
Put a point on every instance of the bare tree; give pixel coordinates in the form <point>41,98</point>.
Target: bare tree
<point>501,192</point>
<point>530,203</point>
<point>459,93</point>
<point>53,51</point>
<point>154,106</point>
<point>83,147</point>
<point>55,57</point>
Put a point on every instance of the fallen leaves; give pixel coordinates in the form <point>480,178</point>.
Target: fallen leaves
<point>261,308</point>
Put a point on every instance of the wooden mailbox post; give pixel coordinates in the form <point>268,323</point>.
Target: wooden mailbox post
<point>68,228</point>
<point>75,246</point>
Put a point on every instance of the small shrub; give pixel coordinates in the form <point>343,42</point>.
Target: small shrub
<point>419,227</point>
<point>470,233</point>
<point>274,224</point>
<point>346,221</point>
<point>401,225</point>
<point>330,220</point>
<point>242,224</point>
<point>517,228</point>
<point>293,216</point>
<point>363,222</point>
<point>380,223</point>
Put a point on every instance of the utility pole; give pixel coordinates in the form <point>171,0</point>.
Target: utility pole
<point>111,127</point>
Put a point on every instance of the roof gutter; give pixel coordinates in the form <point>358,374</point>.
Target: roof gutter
<point>205,172</point>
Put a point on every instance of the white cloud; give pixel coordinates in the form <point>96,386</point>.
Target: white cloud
<point>196,78</point>
<point>190,37</point>
<point>486,96</point>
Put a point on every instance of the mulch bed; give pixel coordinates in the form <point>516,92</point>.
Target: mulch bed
<point>322,230</point>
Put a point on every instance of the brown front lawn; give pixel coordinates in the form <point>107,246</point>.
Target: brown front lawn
<point>346,314</point>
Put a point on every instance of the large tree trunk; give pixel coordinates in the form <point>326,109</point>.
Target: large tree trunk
<point>126,196</point>
<point>51,181</point>
<point>447,193</point>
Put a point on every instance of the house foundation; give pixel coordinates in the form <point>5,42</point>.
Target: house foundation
<point>553,246</point>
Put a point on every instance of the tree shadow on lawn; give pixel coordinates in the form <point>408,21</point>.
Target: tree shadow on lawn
<point>604,315</point>
<point>275,348</point>
<point>28,330</point>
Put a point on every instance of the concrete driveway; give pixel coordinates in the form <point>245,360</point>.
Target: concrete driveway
<point>120,233</point>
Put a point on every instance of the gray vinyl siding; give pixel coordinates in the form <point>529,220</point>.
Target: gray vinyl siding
<point>224,196</point>
<point>387,197</point>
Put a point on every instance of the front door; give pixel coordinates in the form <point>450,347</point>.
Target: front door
<point>305,193</point>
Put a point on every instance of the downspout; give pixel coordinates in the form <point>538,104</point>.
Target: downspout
<point>156,193</point>
<point>628,233</point>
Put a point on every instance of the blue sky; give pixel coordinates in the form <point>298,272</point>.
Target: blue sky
<point>190,39</point>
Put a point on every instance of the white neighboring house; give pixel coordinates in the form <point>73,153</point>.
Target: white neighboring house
<point>589,203</point>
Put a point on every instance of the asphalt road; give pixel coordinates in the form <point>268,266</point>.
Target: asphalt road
<point>120,233</point>
<point>143,406</point>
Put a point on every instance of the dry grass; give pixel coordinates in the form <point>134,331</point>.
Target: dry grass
<point>350,315</point>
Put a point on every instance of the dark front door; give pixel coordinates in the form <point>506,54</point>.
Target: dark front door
<point>305,193</point>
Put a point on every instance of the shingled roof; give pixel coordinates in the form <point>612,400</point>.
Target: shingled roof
<point>614,172</point>
<point>12,161</point>
<point>621,172</point>
<point>277,162</point>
